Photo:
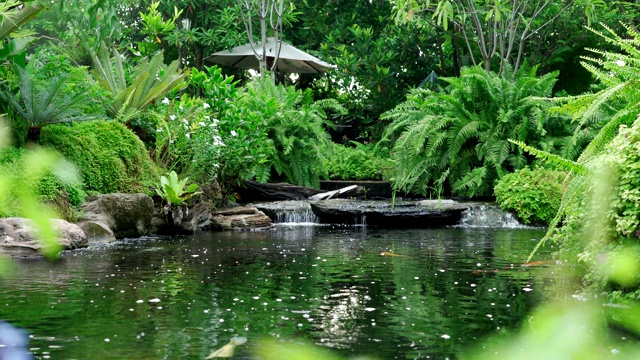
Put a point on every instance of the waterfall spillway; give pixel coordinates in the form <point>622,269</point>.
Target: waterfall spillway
<point>477,215</point>
<point>488,216</point>
<point>290,211</point>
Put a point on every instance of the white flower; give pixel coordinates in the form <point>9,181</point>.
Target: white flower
<point>172,117</point>
<point>188,135</point>
<point>159,130</point>
<point>206,106</point>
<point>234,133</point>
<point>185,121</point>
<point>621,62</point>
<point>201,123</point>
<point>216,166</point>
<point>165,101</point>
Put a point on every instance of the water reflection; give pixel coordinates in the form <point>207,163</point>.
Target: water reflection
<point>432,293</point>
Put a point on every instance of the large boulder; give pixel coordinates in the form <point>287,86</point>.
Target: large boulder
<point>401,214</point>
<point>125,215</point>
<point>240,218</point>
<point>17,237</point>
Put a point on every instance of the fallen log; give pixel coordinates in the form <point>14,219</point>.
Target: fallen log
<point>329,194</point>
<point>253,191</point>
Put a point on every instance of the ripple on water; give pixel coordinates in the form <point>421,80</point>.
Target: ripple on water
<point>431,293</point>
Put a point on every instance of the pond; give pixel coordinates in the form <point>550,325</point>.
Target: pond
<point>392,294</point>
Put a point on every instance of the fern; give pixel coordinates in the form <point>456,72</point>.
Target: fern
<point>297,127</point>
<point>599,116</point>
<point>552,159</point>
<point>464,129</point>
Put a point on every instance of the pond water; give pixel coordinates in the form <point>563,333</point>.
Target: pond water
<point>392,294</point>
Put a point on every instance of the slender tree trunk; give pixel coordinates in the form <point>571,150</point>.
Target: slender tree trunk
<point>457,61</point>
<point>33,135</point>
<point>440,49</point>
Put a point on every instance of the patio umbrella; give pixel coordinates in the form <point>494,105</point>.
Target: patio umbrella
<point>291,60</point>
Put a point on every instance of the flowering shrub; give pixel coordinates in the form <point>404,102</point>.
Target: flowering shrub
<point>246,144</point>
<point>187,133</point>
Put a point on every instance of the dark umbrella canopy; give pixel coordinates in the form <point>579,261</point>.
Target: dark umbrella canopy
<point>291,60</point>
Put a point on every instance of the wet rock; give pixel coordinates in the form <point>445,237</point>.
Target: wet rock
<point>17,236</point>
<point>97,232</point>
<point>191,219</point>
<point>239,218</point>
<point>403,214</point>
<point>127,215</point>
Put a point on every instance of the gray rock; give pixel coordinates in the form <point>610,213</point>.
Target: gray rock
<point>402,214</point>
<point>97,232</point>
<point>17,237</point>
<point>240,218</point>
<point>127,215</point>
<point>193,218</point>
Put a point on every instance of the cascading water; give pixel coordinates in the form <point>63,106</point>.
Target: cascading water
<point>290,211</point>
<point>488,216</point>
<point>302,215</point>
<point>478,215</point>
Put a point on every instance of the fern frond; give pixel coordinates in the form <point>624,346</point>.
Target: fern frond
<point>552,159</point>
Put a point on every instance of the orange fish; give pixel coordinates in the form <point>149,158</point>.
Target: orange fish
<point>476,272</point>
<point>538,263</point>
<point>386,253</point>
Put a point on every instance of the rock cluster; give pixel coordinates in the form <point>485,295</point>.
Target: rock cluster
<point>115,216</point>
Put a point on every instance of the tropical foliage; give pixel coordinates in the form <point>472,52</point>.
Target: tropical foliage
<point>616,101</point>
<point>174,191</point>
<point>38,103</point>
<point>150,81</point>
<point>296,125</point>
<point>357,161</point>
<point>457,138</point>
<point>598,212</point>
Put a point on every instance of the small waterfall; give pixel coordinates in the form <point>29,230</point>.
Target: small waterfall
<point>289,211</point>
<point>297,216</point>
<point>488,216</point>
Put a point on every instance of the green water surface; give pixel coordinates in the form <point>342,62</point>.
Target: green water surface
<point>183,297</point>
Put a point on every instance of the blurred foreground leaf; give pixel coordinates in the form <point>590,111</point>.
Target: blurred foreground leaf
<point>35,164</point>
<point>227,350</point>
<point>567,331</point>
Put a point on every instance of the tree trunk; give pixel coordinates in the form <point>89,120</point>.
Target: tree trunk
<point>456,56</point>
<point>33,135</point>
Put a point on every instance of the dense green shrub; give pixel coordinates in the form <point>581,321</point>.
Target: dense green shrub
<point>358,162</point>
<point>48,187</point>
<point>296,127</point>
<point>109,156</point>
<point>533,195</point>
<point>262,132</point>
